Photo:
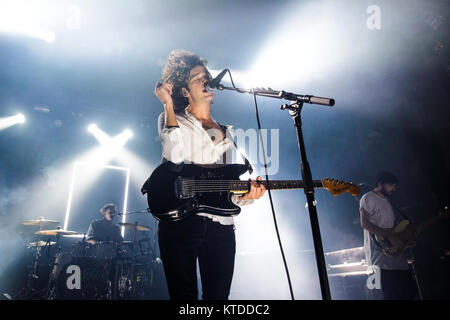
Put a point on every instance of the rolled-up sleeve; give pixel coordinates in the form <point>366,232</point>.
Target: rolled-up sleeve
<point>90,233</point>
<point>366,204</point>
<point>171,141</point>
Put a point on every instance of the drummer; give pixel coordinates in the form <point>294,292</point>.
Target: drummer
<point>105,229</point>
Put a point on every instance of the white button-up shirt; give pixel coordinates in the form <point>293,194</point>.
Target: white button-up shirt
<point>191,143</point>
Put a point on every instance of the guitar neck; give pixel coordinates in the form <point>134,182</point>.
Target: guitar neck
<point>244,186</point>
<point>290,184</point>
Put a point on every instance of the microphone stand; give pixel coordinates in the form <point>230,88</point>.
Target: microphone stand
<point>295,112</point>
<point>295,109</point>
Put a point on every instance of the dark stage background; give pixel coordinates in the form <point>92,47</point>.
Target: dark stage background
<point>391,87</point>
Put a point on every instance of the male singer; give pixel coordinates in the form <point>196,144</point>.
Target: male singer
<point>189,133</point>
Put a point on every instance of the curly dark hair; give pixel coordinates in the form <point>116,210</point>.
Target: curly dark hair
<point>386,177</point>
<point>176,71</point>
<point>107,206</point>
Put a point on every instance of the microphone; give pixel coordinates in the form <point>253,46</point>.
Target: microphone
<point>214,83</point>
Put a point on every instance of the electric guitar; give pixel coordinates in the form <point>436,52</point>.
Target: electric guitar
<point>408,234</point>
<point>177,191</point>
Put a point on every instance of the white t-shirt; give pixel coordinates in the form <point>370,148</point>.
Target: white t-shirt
<point>381,214</point>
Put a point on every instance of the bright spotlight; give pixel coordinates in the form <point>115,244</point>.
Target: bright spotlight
<point>128,133</point>
<point>110,146</point>
<point>92,127</point>
<point>308,44</point>
<point>11,121</point>
<point>20,118</point>
<point>99,134</point>
<point>49,37</point>
<point>119,141</point>
<point>20,18</point>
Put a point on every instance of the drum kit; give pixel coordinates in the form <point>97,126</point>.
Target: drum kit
<point>89,270</point>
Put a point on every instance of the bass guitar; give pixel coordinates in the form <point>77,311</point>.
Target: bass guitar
<point>178,191</point>
<point>407,234</point>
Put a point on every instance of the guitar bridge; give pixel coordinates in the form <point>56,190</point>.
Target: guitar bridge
<point>184,188</point>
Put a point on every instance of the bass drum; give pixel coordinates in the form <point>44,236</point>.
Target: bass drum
<point>83,278</point>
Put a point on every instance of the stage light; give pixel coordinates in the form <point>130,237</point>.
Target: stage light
<point>11,121</point>
<point>128,133</point>
<point>20,118</point>
<point>76,165</point>
<point>22,18</point>
<point>92,127</point>
<point>99,134</point>
<point>119,141</point>
<point>110,146</point>
<point>309,44</point>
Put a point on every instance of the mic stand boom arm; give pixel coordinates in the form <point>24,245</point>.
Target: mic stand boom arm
<point>270,93</point>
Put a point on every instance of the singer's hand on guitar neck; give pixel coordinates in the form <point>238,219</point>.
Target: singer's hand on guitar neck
<point>257,190</point>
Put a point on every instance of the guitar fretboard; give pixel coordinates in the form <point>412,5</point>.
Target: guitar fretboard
<point>239,185</point>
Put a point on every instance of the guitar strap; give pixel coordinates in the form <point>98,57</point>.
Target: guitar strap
<point>247,163</point>
<point>375,242</point>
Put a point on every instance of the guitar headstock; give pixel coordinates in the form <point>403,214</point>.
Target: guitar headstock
<point>338,187</point>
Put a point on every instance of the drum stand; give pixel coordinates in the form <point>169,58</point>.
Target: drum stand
<point>51,285</point>
<point>28,291</point>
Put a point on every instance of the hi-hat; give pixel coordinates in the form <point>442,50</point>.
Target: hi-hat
<point>134,226</point>
<point>55,232</point>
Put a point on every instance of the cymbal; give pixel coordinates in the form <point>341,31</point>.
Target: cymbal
<point>134,226</point>
<point>78,235</point>
<point>54,232</point>
<point>39,222</point>
<point>41,244</point>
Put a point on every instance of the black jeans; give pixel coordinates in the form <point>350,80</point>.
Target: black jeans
<point>214,244</point>
<point>398,285</point>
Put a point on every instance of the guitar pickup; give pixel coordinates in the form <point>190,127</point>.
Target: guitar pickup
<point>184,188</point>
